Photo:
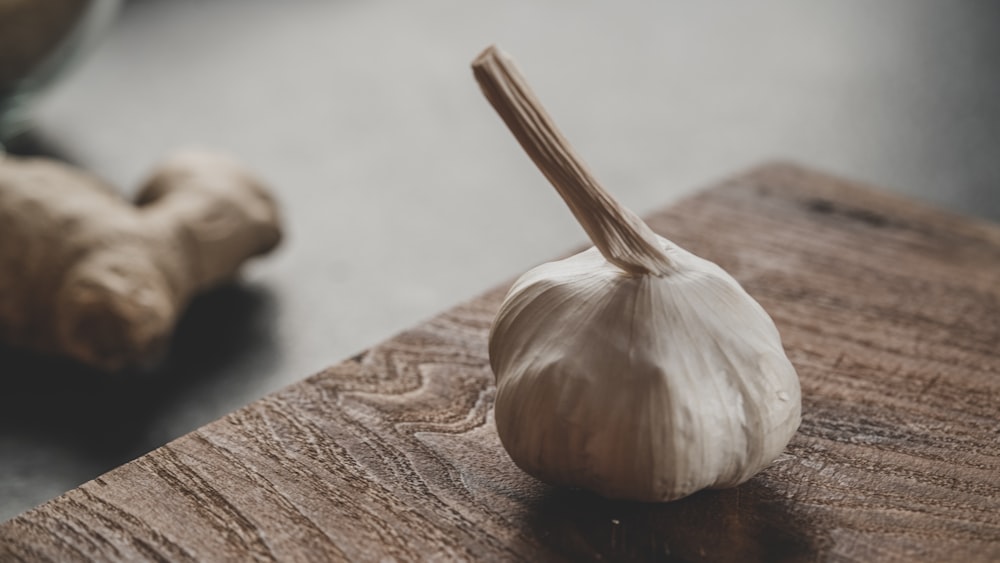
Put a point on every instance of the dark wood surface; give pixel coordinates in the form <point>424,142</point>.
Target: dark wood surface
<point>889,310</point>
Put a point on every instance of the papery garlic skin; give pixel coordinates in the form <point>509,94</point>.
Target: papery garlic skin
<point>635,369</point>
<point>640,387</point>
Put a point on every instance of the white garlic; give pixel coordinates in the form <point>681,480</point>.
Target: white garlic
<point>634,369</point>
<point>640,387</point>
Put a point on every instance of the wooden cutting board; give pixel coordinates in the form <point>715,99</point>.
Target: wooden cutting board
<point>890,311</point>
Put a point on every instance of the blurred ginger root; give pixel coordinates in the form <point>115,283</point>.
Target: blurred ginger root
<point>87,275</point>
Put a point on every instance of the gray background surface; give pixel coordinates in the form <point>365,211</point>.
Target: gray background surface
<point>403,192</point>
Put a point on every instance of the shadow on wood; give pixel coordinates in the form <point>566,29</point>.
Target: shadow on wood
<point>748,523</point>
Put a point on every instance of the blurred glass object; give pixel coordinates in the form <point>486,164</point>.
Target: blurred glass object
<point>39,41</point>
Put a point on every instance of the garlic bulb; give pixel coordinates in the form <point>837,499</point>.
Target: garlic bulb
<point>634,369</point>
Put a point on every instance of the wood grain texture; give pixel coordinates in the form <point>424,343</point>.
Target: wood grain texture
<point>889,310</point>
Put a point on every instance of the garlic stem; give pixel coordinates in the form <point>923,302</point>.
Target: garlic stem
<point>620,235</point>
